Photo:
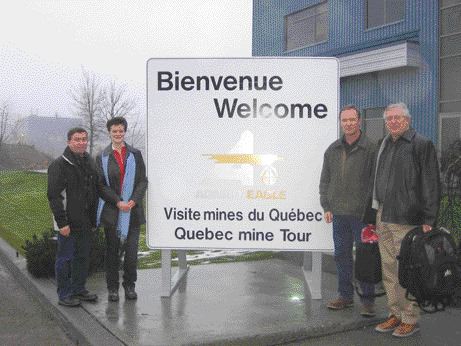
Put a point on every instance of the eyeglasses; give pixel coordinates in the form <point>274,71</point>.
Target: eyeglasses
<point>394,117</point>
<point>79,140</point>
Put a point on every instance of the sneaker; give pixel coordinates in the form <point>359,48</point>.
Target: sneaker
<point>69,301</point>
<point>368,310</point>
<point>113,296</point>
<point>340,304</point>
<point>86,296</point>
<point>130,293</point>
<point>405,329</point>
<point>388,325</point>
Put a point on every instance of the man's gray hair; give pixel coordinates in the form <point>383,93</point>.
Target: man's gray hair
<point>400,105</point>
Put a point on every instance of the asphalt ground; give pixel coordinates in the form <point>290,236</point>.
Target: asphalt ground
<point>247,303</point>
<point>23,321</point>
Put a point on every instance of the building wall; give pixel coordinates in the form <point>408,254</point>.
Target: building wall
<point>416,86</point>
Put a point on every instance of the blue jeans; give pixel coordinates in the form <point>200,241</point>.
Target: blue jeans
<point>72,262</point>
<point>346,230</point>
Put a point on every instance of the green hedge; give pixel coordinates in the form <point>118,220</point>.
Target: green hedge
<point>450,215</point>
<point>40,253</point>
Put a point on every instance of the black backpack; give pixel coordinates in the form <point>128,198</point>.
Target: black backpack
<point>429,268</point>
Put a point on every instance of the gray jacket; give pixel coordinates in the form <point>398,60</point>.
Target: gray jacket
<point>345,179</point>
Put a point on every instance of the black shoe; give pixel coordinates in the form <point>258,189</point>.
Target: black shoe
<point>86,296</point>
<point>69,301</point>
<point>130,293</point>
<point>113,296</point>
<point>368,310</point>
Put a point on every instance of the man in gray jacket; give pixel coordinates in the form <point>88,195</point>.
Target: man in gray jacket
<point>346,174</point>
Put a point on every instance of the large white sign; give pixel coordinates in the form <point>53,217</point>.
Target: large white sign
<point>235,151</point>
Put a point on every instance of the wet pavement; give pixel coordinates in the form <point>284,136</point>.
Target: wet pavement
<point>241,303</point>
<point>251,302</point>
<point>22,319</point>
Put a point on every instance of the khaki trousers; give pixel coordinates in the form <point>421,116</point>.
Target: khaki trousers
<point>390,239</point>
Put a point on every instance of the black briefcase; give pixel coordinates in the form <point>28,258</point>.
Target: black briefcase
<point>368,263</point>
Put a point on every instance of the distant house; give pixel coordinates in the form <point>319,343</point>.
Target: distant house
<point>46,134</point>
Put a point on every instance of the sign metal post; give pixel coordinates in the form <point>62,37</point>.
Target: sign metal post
<point>170,284</point>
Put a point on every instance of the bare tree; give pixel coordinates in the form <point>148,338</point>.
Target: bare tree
<point>88,99</point>
<point>116,102</point>
<point>17,134</point>
<point>4,123</point>
<point>135,135</point>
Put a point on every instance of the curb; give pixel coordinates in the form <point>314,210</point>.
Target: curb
<point>293,336</point>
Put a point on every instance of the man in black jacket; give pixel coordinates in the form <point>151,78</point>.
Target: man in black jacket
<point>72,194</point>
<point>406,194</point>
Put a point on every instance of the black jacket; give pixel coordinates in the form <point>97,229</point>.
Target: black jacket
<point>413,192</point>
<point>111,194</point>
<point>72,190</point>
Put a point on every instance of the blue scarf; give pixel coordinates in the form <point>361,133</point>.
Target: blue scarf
<point>123,222</point>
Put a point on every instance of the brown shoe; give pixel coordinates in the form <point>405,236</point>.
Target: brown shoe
<point>368,310</point>
<point>340,304</point>
<point>405,329</point>
<point>388,325</point>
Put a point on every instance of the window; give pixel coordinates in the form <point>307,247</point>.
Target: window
<point>450,130</point>
<point>382,12</point>
<point>445,3</point>
<point>450,57</point>
<point>307,26</point>
<point>373,123</point>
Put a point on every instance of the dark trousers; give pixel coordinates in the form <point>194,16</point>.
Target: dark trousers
<point>347,230</point>
<point>114,250</point>
<point>72,262</point>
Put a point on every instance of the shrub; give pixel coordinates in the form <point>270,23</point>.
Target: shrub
<point>450,215</point>
<point>40,253</point>
<point>450,206</point>
<point>98,248</point>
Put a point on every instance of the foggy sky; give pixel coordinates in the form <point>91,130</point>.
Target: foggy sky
<point>45,44</point>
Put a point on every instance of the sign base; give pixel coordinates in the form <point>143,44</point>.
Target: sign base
<point>169,284</point>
